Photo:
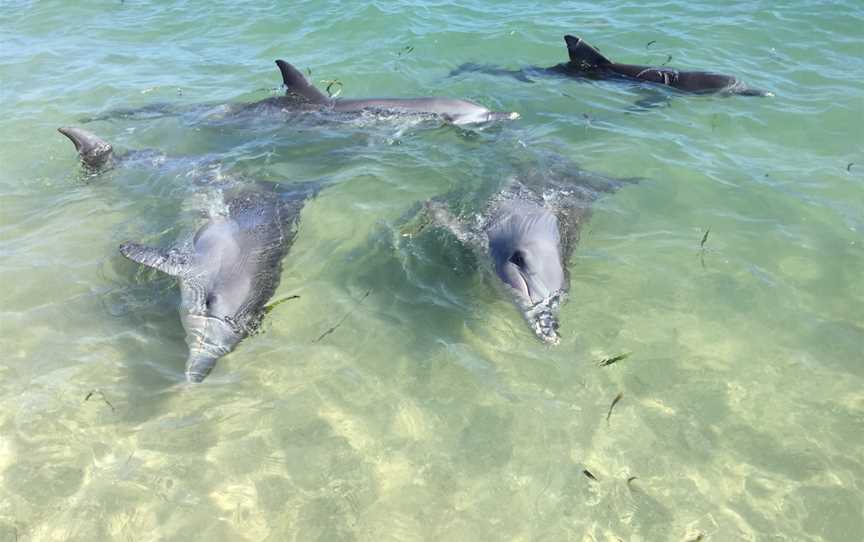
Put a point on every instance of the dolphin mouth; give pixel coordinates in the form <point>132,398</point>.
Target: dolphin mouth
<point>543,317</point>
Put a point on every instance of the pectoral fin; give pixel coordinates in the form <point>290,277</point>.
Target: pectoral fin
<point>171,262</point>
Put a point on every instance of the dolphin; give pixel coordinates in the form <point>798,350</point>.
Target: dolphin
<point>301,95</point>
<point>587,62</point>
<point>527,232</point>
<point>229,269</point>
<point>451,110</point>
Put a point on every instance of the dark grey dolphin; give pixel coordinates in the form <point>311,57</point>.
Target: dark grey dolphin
<point>587,62</point>
<point>229,269</point>
<point>528,231</point>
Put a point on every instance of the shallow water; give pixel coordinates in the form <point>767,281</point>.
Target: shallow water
<point>431,412</point>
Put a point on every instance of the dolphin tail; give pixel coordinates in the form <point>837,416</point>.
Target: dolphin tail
<point>94,152</point>
<point>295,83</point>
<point>171,262</point>
<point>582,54</point>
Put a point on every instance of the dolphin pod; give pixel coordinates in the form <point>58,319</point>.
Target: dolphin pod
<point>229,269</point>
<point>587,62</point>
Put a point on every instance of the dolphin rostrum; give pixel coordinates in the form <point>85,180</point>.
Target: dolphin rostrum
<point>587,62</point>
<point>230,268</point>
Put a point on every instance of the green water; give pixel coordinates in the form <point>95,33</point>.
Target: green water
<point>431,412</point>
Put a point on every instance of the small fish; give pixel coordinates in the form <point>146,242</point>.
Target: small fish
<point>849,166</point>
<point>615,359</point>
<point>405,50</point>
<point>614,402</point>
<point>668,60</point>
<point>705,237</point>
<point>699,537</point>
<point>590,476</point>
<point>650,43</point>
<point>631,479</point>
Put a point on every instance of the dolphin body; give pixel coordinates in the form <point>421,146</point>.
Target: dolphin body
<point>587,62</point>
<point>300,95</point>
<point>229,269</point>
<point>527,232</point>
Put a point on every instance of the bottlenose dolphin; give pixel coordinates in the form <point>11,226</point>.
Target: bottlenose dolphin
<point>300,95</point>
<point>527,232</point>
<point>587,62</point>
<point>451,110</point>
<point>230,268</point>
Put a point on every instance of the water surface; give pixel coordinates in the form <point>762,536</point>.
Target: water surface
<point>431,413</point>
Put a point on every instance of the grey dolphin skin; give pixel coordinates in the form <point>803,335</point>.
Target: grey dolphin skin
<point>587,62</point>
<point>528,231</point>
<point>229,269</point>
<point>451,110</point>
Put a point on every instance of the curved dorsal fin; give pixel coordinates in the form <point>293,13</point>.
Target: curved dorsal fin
<point>296,84</point>
<point>583,54</point>
<point>94,152</point>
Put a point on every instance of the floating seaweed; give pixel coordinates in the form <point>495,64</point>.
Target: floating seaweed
<point>342,320</point>
<point>274,304</point>
<point>91,393</point>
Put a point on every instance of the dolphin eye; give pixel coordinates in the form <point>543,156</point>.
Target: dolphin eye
<point>210,301</point>
<point>518,259</point>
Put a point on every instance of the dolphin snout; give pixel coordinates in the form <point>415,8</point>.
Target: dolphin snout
<point>198,366</point>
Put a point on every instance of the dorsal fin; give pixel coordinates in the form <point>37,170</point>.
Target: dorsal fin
<point>583,54</point>
<point>172,262</point>
<point>94,152</point>
<point>296,84</point>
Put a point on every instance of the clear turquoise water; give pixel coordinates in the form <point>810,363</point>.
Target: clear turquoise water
<point>432,413</point>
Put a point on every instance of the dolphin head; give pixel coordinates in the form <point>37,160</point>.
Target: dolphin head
<point>524,243</point>
<point>208,337</point>
<point>215,293</point>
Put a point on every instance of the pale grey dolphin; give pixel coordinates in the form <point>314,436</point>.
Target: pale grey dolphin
<point>300,95</point>
<point>449,109</point>
<point>528,230</point>
<point>230,268</point>
<point>587,62</point>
